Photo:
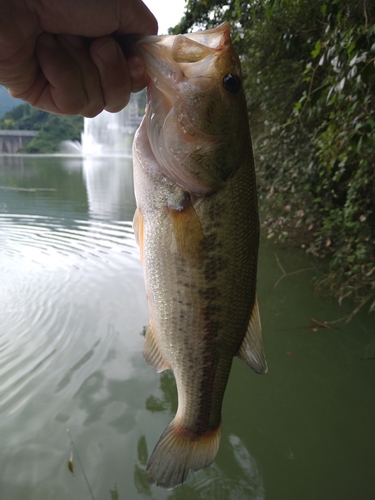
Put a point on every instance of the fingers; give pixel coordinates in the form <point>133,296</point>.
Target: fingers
<point>63,73</point>
<point>135,17</point>
<point>95,18</point>
<point>78,78</point>
<point>71,83</point>
<point>138,74</point>
<point>113,71</point>
<point>18,64</point>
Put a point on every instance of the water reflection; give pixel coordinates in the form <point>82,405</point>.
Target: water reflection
<point>246,483</point>
<point>241,481</point>
<point>93,187</point>
<point>72,308</point>
<point>169,399</point>
<point>109,185</point>
<point>73,302</point>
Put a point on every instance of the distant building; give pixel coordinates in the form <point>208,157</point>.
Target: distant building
<point>132,118</point>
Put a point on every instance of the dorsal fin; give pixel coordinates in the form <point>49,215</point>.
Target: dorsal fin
<point>251,350</point>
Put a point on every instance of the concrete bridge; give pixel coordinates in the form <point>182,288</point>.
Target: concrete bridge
<point>13,140</point>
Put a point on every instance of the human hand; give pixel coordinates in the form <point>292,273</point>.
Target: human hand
<point>60,55</point>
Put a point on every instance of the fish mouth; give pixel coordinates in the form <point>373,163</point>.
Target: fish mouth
<point>184,91</point>
<point>171,60</point>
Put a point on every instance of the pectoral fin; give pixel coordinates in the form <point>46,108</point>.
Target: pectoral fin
<point>251,350</point>
<point>138,226</point>
<point>151,351</point>
<point>188,232</point>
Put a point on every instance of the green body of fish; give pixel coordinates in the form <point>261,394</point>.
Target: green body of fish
<point>197,227</point>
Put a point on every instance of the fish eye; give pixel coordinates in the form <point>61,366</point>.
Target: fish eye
<point>232,83</point>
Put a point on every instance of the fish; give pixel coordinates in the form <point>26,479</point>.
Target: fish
<point>197,227</point>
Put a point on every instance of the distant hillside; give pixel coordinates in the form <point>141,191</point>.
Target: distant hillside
<point>6,102</point>
<point>52,128</point>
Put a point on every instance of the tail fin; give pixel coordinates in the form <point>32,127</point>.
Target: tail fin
<point>178,452</point>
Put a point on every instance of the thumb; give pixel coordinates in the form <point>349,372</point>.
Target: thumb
<point>18,63</point>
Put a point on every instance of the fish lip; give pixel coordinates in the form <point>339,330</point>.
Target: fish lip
<point>163,54</point>
<point>204,35</point>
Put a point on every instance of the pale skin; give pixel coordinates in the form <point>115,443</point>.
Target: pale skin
<point>61,55</point>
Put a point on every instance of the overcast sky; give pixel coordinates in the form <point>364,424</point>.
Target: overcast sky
<point>167,12</point>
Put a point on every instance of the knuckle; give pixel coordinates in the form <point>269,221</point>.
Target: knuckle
<point>91,113</point>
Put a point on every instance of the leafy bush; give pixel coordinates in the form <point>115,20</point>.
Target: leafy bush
<point>309,76</point>
<point>56,128</point>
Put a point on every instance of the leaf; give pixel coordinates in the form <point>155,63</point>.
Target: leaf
<point>70,463</point>
<point>340,86</point>
<point>317,93</point>
<point>351,48</point>
<point>316,50</point>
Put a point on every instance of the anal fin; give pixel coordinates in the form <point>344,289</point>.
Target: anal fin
<point>251,350</point>
<point>151,351</point>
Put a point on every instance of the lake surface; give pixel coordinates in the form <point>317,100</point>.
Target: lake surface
<point>72,313</point>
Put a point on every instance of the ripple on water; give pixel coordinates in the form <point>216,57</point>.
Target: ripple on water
<point>51,270</point>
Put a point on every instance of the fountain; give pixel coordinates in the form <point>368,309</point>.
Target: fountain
<point>107,134</point>
<point>111,133</point>
<point>106,161</point>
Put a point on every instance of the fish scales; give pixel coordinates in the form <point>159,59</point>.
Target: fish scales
<point>198,230</point>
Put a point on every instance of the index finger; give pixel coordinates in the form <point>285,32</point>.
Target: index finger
<point>138,20</point>
<point>96,19</point>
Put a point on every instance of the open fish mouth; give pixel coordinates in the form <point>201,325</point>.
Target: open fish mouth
<point>189,106</point>
<point>171,59</point>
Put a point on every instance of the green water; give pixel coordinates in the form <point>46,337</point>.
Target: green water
<point>72,312</point>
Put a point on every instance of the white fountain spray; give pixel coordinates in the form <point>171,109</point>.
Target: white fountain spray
<point>106,160</point>
<point>111,133</point>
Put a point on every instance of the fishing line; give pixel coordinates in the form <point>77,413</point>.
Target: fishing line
<point>80,463</point>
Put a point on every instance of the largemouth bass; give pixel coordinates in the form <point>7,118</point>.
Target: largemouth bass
<point>197,227</point>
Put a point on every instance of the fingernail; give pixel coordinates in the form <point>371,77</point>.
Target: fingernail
<point>108,53</point>
<point>136,67</point>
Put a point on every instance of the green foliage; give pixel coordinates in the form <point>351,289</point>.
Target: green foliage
<point>56,128</point>
<point>52,128</point>
<point>309,75</point>
<point>9,124</point>
<point>6,101</point>
<point>25,117</point>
